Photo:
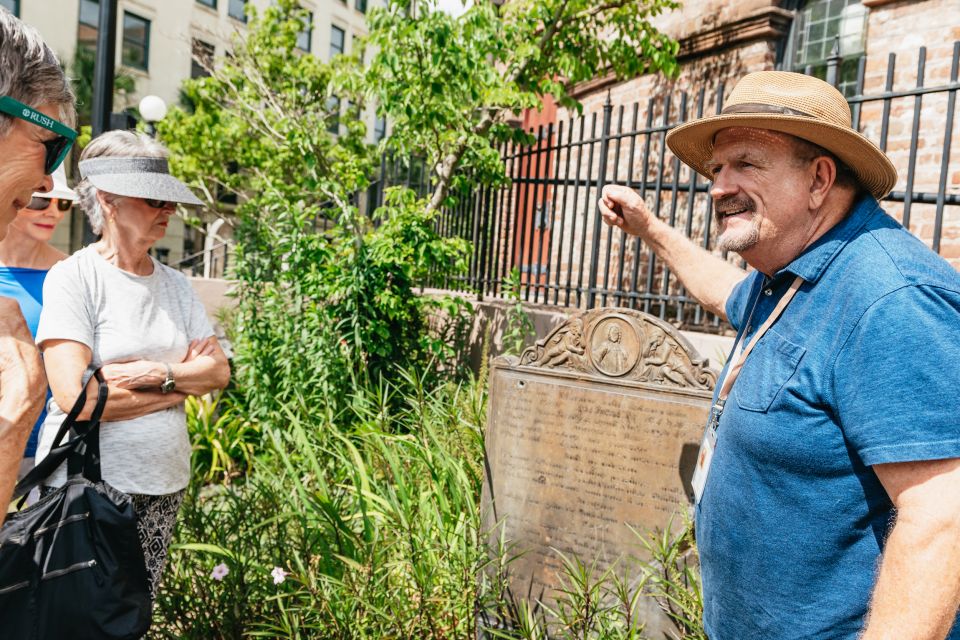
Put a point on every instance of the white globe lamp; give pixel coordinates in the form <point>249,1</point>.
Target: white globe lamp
<point>153,108</point>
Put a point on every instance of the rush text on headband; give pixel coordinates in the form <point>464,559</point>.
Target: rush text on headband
<point>57,147</point>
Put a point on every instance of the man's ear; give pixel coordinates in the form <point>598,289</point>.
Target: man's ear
<point>823,175</point>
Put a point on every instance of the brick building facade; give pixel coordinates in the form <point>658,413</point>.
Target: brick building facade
<point>546,224</point>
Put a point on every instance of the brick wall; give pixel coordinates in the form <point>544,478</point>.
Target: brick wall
<point>901,29</point>
<point>720,42</point>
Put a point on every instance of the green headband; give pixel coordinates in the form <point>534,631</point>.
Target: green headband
<point>17,109</point>
<point>56,148</point>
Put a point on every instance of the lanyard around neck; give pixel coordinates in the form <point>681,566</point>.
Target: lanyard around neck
<point>734,371</point>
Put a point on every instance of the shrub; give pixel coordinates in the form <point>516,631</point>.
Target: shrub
<point>377,527</point>
<point>222,440</point>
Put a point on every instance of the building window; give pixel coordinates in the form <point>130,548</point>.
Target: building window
<point>201,58</point>
<point>236,10</point>
<point>337,40</point>
<point>818,26</point>
<point>208,3</point>
<point>11,5</point>
<point>162,254</point>
<point>305,36</point>
<point>333,119</point>
<point>136,41</point>
<point>361,6</point>
<point>89,24</point>
<point>380,129</point>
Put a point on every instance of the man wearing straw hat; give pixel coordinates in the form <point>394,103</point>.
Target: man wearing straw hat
<point>828,481</point>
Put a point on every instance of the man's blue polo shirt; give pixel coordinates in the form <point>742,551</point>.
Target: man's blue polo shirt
<point>862,368</point>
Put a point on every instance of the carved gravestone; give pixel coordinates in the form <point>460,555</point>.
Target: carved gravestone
<point>594,431</point>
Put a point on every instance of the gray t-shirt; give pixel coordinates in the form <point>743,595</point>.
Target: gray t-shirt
<point>123,317</point>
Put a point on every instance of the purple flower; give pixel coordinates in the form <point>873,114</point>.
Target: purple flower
<point>279,575</point>
<point>219,572</point>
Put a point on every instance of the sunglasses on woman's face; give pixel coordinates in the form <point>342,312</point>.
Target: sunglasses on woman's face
<point>159,204</point>
<point>40,204</point>
<point>57,147</point>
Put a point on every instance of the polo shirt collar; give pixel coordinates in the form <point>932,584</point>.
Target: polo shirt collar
<point>813,262</point>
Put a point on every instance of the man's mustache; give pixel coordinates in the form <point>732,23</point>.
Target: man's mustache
<point>732,205</point>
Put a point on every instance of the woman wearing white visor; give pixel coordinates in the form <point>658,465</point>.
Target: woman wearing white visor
<point>25,258</point>
<point>112,305</point>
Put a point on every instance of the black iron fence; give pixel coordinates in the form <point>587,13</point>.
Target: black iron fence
<point>546,224</point>
<point>209,263</point>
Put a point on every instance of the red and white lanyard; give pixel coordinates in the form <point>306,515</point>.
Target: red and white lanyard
<point>734,371</point>
<point>709,443</point>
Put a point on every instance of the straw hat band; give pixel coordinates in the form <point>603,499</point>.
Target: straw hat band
<point>756,107</point>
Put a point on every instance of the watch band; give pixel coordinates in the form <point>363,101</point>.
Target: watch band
<point>169,384</point>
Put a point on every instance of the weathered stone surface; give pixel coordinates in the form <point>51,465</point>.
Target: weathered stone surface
<point>592,432</point>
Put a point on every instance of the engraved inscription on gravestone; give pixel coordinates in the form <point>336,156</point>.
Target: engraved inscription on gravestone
<point>594,431</point>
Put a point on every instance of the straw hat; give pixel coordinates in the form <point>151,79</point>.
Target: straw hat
<point>793,103</point>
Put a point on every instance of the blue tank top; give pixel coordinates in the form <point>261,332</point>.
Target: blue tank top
<point>26,287</point>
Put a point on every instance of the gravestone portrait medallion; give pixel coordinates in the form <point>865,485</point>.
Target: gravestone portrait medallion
<point>614,346</point>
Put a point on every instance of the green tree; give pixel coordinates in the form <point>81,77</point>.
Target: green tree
<point>325,294</point>
<point>449,84</point>
<point>82,70</point>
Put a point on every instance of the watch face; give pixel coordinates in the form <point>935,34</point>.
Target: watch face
<point>168,386</point>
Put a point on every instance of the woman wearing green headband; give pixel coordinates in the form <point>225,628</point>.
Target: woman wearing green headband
<point>35,102</point>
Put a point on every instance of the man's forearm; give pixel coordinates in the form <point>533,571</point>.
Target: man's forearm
<point>707,278</point>
<point>23,389</point>
<point>918,587</point>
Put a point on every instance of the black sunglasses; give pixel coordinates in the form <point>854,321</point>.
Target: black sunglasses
<point>57,147</point>
<point>38,203</point>
<point>158,204</point>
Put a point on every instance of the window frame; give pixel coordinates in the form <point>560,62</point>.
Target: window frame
<point>196,69</point>
<point>334,103</point>
<point>791,47</point>
<point>146,43</point>
<point>91,28</point>
<point>378,132</point>
<point>15,10</point>
<point>360,5</point>
<point>243,10</point>
<point>209,4</point>
<point>308,32</point>
<point>343,40</point>
<point>95,25</point>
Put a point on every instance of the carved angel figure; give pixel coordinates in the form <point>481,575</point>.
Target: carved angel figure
<point>564,345</point>
<point>666,360</point>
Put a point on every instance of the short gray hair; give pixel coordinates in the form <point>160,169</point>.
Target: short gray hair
<point>113,144</point>
<point>808,151</point>
<point>30,71</point>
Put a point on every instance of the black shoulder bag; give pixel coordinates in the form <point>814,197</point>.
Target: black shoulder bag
<point>71,565</point>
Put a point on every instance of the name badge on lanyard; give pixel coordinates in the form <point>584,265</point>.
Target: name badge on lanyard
<point>708,445</point>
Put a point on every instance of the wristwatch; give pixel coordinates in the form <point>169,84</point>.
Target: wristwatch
<point>169,384</point>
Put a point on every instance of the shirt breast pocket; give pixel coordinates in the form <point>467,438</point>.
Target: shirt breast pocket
<point>768,368</point>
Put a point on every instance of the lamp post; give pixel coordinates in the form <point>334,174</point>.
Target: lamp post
<point>152,109</point>
<point>104,67</point>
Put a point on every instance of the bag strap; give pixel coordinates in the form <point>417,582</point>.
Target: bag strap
<point>84,459</point>
<point>59,452</point>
